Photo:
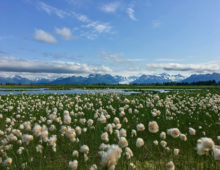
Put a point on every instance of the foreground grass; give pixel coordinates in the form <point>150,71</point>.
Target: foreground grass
<point>178,109</point>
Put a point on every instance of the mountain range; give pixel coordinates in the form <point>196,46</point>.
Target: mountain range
<point>202,77</point>
<point>109,79</point>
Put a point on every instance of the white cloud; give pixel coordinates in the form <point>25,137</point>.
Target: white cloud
<point>60,56</point>
<point>117,58</point>
<point>91,28</point>
<point>156,23</point>
<point>13,64</point>
<point>102,28</point>
<point>94,29</point>
<point>197,68</point>
<point>135,59</point>
<point>168,60</point>
<point>110,7</point>
<point>65,33</point>
<point>43,36</point>
<point>80,17</point>
<point>130,12</point>
<point>52,10</point>
<point>99,27</point>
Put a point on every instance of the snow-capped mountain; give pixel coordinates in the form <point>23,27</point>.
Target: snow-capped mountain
<point>15,80</point>
<point>110,79</point>
<point>160,78</point>
<point>202,77</point>
<point>127,80</point>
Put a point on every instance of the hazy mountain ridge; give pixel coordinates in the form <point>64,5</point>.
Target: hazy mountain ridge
<point>15,80</point>
<point>202,77</point>
<point>110,79</point>
<point>148,79</point>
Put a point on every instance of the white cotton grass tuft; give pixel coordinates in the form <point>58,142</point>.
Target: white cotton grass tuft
<point>70,133</point>
<point>44,135</point>
<point>216,152</point>
<point>39,148</point>
<point>82,120</point>
<point>117,133</point>
<point>52,140</point>
<point>153,127</point>
<point>140,127</point>
<point>26,138</point>
<point>75,153</point>
<point>12,137</point>
<point>183,137</point>
<point>132,165</point>
<point>163,135</point>
<point>93,167</point>
<point>176,152</point>
<point>118,126</point>
<point>123,142</point>
<point>123,133</point>
<point>170,166</point>
<point>7,162</point>
<point>163,143</point>
<point>139,142</point>
<point>116,120</point>
<point>204,145</point>
<point>102,119</point>
<point>37,130</point>
<point>84,149</point>
<point>192,131</point>
<point>174,132</point>
<point>90,122</point>
<point>104,137</point>
<point>109,128</point>
<point>20,150</point>
<point>78,130</point>
<point>128,153</point>
<point>86,158</point>
<point>67,119</point>
<point>111,157</point>
<point>103,147</point>
<point>73,165</point>
<point>155,142</point>
<point>133,133</point>
<point>84,130</point>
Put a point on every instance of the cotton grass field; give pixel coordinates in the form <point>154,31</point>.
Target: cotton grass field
<point>174,130</point>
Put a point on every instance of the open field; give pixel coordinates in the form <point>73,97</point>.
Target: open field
<point>174,130</point>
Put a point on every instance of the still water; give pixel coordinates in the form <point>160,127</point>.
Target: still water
<point>74,91</point>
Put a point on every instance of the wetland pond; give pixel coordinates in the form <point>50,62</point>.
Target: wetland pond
<point>32,91</point>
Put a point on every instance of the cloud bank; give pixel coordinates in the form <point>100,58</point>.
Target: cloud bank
<point>197,68</point>
<point>12,64</point>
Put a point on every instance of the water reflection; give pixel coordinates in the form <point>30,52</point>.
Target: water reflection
<point>80,91</point>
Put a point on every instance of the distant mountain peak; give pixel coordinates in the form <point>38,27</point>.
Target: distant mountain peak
<point>110,79</point>
<point>202,77</point>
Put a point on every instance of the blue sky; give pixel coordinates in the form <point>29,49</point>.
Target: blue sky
<point>53,38</point>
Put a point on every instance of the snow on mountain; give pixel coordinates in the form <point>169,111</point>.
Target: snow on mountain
<point>98,79</point>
